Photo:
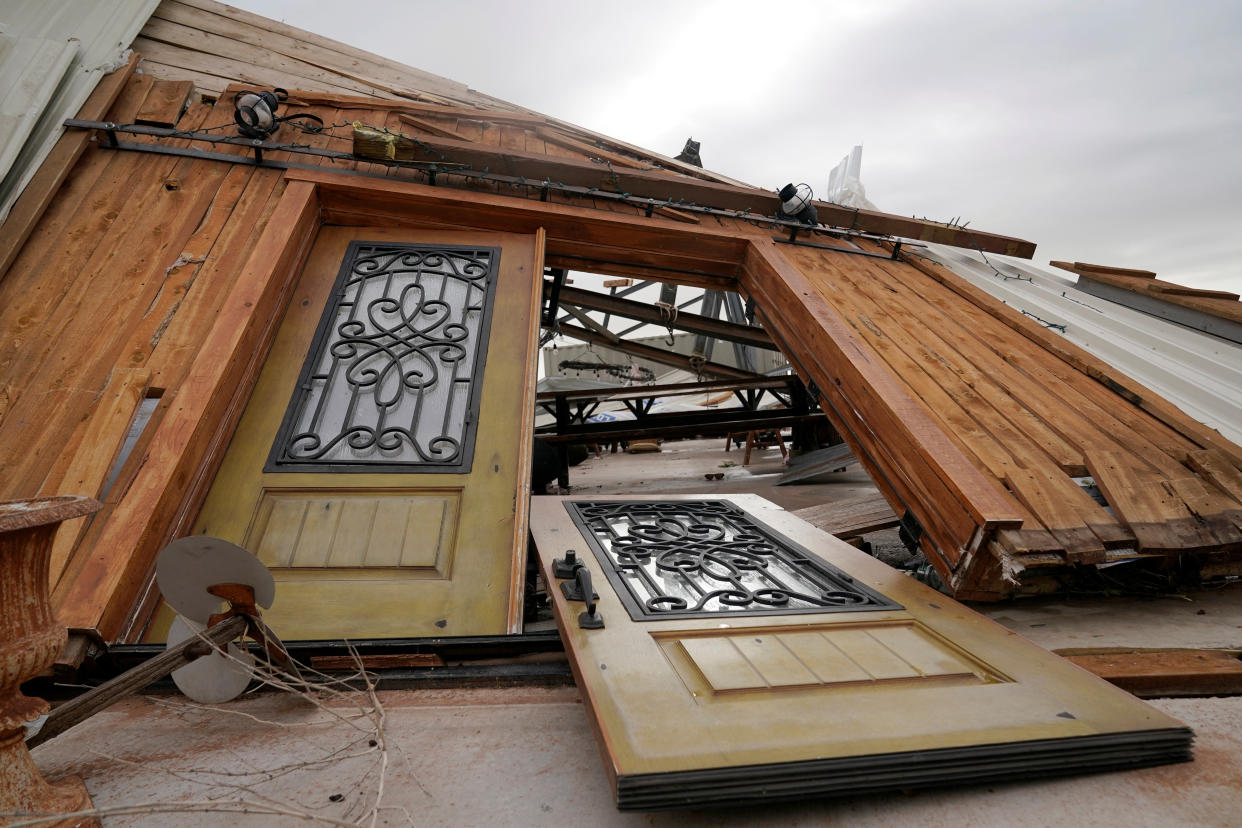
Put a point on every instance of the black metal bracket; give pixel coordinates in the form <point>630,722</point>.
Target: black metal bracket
<point>793,239</point>
<point>572,590</point>
<point>565,567</point>
<point>552,301</point>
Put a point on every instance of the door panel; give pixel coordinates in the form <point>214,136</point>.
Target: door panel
<point>757,698</point>
<point>381,466</point>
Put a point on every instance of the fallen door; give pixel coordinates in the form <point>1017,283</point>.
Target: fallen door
<point>745,656</point>
<point>381,466</point>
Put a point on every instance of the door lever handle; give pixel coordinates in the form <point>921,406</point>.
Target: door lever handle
<point>572,590</point>
<point>590,619</point>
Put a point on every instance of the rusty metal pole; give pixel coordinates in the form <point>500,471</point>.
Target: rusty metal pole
<point>30,640</point>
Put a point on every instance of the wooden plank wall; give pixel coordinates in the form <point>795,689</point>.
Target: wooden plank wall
<point>1028,418</point>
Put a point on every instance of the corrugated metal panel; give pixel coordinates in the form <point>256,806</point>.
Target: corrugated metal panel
<point>75,41</point>
<point>32,69</point>
<point>1199,372</point>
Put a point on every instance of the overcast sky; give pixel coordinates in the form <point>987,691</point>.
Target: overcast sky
<point>1106,132</point>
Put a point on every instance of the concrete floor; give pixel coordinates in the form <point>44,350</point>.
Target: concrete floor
<point>526,756</point>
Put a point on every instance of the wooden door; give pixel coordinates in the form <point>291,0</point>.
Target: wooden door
<point>381,468</point>
<point>744,655</point>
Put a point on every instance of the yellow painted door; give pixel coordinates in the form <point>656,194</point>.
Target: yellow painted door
<point>744,655</point>
<point>381,466</point>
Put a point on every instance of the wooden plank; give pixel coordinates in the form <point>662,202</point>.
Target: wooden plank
<point>852,516</point>
<point>943,345</point>
<point>1152,674</point>
<point>102,434</point>
<point>165,102</point>
<point>333,56</point>
<point>675,190</point>
<point>62,367</point>
<point>969,421</point>
<point>1104,374</point>
<point>483,116</point>
<point>423,125</point>
<point>873,405</point>
<point>585,150</point>
<point>1159,520</point>
<point>906,414</point>
<point>131,269</point>
<point>1084,413</point>
<point>376,661</point>
<point>1181,290</point>
<point>1223,304</point>
<point>93,596</point>
<point>1083,267</point>
<point>1214,466</point>
<point>565,224</point>
<point>108,425</point>
<point>52,173</point>
<point>165,41</point>
<point>246,73</point>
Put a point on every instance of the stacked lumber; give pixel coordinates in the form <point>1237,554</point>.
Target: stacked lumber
<point>983,426</point>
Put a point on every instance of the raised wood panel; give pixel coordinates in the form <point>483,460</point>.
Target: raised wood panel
<point>816,656</point>
<point>343,530</point>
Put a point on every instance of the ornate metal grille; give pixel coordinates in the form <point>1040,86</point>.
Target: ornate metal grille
<point>391,379</point>
<point>702,558</point>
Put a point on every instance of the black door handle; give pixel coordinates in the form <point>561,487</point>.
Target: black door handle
<point>589,620</point>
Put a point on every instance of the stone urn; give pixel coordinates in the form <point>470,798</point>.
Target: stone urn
<point>30,640</point>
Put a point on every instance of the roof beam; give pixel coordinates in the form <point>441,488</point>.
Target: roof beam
<point>690,322</point>
<point>677,189</point>
<point>655,354</point>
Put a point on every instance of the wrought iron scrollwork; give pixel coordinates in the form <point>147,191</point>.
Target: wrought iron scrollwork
<point>705,557</point>
<point>391,379</point>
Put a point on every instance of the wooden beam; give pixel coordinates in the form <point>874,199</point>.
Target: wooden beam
<point>1165,673</point>
<point>899,442</point>
<point>38,193</point>
<point>655,354</point>
<point>361,102</point>
<point>602,234</point>
<point>679,189</point>
<point>675,389</point>
<point>165,102</point>
<point>704,425</point>
<point>644,312</point>
<point>1083,267</point>
<point>191,438</point>
<point>430,128</point>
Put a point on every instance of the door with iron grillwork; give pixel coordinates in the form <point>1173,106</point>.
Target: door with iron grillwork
<point>728,652</point>
<point>381,466</point>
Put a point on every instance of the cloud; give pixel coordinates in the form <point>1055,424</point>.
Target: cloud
<point>1103,131</point>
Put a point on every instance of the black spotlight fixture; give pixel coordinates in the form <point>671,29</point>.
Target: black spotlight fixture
<point>255,113</point>
<point>796,204</point>
<point>690,153</point>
